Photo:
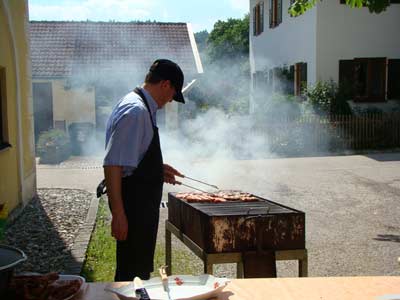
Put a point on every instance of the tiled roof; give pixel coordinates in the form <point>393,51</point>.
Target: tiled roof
<point>62,49</point>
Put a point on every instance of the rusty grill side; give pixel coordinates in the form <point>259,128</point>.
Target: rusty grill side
<point>233,226</point>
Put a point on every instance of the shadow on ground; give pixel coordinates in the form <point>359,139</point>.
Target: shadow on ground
<point>34,233</point>
<point>388,238</point>
<point>384,156</point>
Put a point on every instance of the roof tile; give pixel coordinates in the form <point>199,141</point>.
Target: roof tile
<point>62,49</point>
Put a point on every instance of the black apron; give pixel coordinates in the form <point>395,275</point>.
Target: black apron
<point>141,194</point>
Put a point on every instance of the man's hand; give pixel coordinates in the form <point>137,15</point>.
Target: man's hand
<point>119,226</point>
<point>119,222</point>
<point>170,173</point>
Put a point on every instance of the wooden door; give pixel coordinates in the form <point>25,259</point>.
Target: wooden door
<point>42,107</point>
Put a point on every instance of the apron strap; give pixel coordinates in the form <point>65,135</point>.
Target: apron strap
<point>141,95</point>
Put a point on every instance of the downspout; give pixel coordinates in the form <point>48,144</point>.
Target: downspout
<point>20,152</point>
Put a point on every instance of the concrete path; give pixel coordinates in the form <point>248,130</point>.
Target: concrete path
<point>352,203</point>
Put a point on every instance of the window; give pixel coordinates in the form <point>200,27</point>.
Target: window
<point>300,77</point>
<point>3,121</point>
<point>369,79</point>
<point>60,124</point>
<point>394,79</point>
<point>258,18</point>
<point>364,79</point>
<point>346,77</point>
<point>275,13</point>
<point>259,81</point>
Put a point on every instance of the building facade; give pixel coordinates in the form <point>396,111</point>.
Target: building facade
<point>331,41</point>
<point>17,150</point>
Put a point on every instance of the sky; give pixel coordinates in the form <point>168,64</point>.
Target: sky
<point>202,14</point>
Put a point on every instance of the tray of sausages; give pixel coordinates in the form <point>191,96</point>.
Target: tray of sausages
<point>218,197</point>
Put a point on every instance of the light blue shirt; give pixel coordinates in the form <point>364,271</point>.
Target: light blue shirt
<point>129,132</point>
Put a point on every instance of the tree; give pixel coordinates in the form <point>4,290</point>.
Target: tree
<point>229,40</point>
<point>299,7</point>
<point>225,82</point>
<point>201,40</point>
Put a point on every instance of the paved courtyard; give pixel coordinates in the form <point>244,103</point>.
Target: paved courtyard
<point>352,203</point>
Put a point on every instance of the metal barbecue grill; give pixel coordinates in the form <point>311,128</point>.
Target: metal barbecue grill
<point>222,232</point>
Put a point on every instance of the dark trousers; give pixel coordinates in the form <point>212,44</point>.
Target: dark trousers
<point>126,263</point>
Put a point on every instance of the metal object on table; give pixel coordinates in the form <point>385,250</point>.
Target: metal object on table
<point>140,291</point>
<point>10,257</point>
<point>164,279</point>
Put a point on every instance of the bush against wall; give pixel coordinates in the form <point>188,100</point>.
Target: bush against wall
<point>325,98</point>
<point>53,146</point>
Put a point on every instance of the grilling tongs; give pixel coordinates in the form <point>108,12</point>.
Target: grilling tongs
<point>202,182</point>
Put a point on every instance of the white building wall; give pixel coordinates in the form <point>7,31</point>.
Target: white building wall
<point>292,41</point>
<point>346,33</point>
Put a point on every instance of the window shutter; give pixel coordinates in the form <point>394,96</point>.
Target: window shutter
<point>360,78</point>
<point>394,79</point>
<point>370,79</point>
<point>261,16</point>
<point>254,20</point>
<point>279,12</point>
<point>303,75</point>
<point>297,79</point>
<point>346,78</point>
<point>377,79</point>
<point>291,83</point>
<point>271,13</point>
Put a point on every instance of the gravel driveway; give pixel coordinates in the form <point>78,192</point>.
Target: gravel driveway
<point>352,203</point>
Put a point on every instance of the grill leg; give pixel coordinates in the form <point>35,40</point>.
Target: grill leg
<point>208,267</point>
<point>303,265</point>
<point>168,250</point>
<point>239,269</point>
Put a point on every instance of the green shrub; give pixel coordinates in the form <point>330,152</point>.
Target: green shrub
<point>325,97</point>
<point>53,146</point>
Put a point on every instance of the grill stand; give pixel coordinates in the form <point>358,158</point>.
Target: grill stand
<point>209,259</point>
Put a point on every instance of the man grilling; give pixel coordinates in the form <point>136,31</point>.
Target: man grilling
<point>134,170</point>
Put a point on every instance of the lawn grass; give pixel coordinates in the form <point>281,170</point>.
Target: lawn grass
<point>100,256</point>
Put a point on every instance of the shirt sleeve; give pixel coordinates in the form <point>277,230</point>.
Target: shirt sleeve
<point>125,143</point>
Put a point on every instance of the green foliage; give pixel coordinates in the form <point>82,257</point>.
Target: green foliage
<point>201,40</point>
<point>229,40</point>
<point>53,146</point>
<point>282,106</point>
<point>321,96</point>
<point>225,83</point>
<point>99,264</point>
<point>299,7</point>
<point>100,256</point>
<point>326,98</point>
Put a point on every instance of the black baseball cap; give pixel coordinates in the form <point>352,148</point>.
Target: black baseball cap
<point>168,70</point>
